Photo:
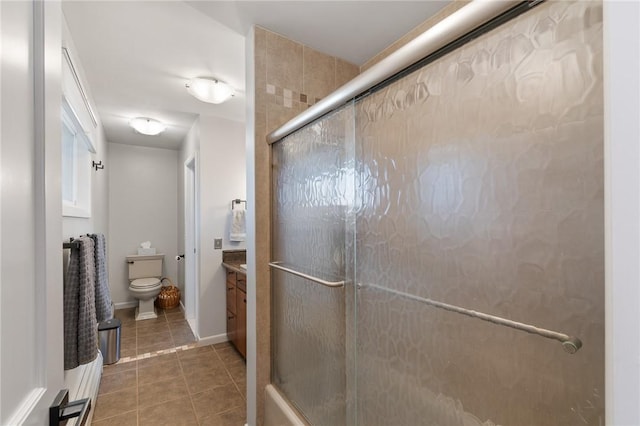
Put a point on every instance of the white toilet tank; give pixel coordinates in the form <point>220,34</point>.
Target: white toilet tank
<point>145,266</point>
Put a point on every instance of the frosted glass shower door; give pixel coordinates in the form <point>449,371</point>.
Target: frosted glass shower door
<point>481,177</point>
<point>313,192</point>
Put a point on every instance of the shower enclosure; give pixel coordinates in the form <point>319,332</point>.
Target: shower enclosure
<point>438,242</point>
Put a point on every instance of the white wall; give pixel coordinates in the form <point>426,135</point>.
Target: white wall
<point>98,222</point>
<point>222,178</point>
<point>622,211</point>
<point>142,206</point>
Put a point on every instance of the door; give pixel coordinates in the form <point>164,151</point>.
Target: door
<point>31,350</point>
<point>498,208</point>
<point>191,232</point>
<point>480,249</point>
<point>312,201</point>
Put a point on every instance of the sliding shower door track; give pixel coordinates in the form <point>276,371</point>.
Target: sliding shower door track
<point>469,22</point>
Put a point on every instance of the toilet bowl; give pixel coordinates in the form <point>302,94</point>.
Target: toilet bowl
<point>145,284</point>
<point>145,290</point>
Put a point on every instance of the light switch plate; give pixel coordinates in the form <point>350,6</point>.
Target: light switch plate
<point>217,243</point>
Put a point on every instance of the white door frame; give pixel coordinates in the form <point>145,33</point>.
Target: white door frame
<point>42,97</point>
<point>191,246</point>
<point>622,211</point>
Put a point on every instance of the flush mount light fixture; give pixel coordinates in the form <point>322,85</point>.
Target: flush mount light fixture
<point>209,90</point>
<point>147,126</point>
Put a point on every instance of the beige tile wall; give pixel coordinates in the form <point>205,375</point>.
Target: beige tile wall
<point>289,77</point>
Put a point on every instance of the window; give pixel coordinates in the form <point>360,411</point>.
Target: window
<point>76,165</point>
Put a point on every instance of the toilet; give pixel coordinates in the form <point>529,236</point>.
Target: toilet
<point>144,276</point>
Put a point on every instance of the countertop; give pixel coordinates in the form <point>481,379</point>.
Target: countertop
<point>235,267</point>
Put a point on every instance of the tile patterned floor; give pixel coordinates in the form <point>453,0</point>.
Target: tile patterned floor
<point>168,331</point>
<point>163,378</point>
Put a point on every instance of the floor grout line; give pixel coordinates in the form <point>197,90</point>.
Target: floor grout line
<point>193,406</point>
<point>137,391</point>
<point>180,374</point>
<point>111,417</point>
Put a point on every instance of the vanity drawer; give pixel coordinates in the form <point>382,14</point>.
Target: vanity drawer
<point>231,297</point>
<point>231,326</point>
<point>235,287</point>
<point>241,322</point>
<point>241,282</point>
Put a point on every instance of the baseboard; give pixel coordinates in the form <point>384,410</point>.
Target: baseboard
<point>125,305</point>
<point>191,321</point>
<point>84,382</point>
<point>21,414</point>
<point>212,340</point>
<point>133,304</point>
<point>193,326</point>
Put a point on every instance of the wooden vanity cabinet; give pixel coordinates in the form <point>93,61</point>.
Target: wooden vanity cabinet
<point>231,306</point>
<point>241,311</point>
<point>237,311</point>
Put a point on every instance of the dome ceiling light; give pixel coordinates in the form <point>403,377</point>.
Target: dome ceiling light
<point>210,90</point>
<point>147,126</point>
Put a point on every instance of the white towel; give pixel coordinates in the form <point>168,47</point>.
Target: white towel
<point>238,225</point>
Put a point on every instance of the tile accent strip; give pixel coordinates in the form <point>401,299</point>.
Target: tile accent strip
<point>289,98</point>
<point>153,354</point>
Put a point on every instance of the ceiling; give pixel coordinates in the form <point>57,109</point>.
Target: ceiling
<point>354,30</point>
<point>138,55</point>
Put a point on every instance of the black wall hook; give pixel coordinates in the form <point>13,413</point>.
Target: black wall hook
<point>98,165</point>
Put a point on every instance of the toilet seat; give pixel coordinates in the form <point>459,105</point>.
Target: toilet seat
<point>142,283</point>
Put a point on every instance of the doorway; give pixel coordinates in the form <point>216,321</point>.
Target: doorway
<point>190,245</point>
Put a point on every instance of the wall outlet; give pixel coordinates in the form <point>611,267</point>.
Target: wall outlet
<point>217,243</point>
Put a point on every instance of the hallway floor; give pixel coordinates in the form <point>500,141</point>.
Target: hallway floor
<point>163,378</point>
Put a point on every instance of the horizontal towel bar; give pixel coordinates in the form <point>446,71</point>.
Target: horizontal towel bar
<point>71,244</point>
<point>569,343</point>
<point>238,201</point>
<point>276,265</point>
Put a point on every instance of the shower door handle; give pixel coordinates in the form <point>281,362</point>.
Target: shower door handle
<point>276,265</point>
<point>570,344</point>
